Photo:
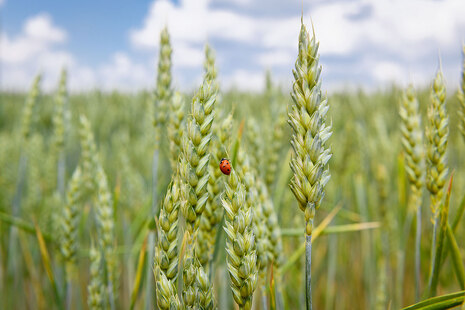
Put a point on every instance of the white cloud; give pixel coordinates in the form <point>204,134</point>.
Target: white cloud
<point>41,28</point>
<point>2,2</point>
<point>38,48</point>
<point>361,41</point>
<point>390,34</point>
<point>38,35</point>
<point>276,58</point>
<point>388,71</point>
<point>245,80</point>
<point>123,74</point>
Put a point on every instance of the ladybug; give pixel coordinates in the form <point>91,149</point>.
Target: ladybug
<point>225,166</point>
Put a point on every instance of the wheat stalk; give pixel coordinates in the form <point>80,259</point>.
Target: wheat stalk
<point>106,235</point>
<point>28,111</point>
<point>59,131</point>
<point>437,135</point>
<point>240,245</point>
<point>307,117</point>
<point>162,98</point>
<point>195,175</point>
<point>412,142</point>
<point>69,229</point>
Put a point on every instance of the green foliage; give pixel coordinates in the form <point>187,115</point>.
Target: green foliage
<point>364,235</point>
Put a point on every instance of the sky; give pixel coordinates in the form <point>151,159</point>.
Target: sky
<point>114,44</point>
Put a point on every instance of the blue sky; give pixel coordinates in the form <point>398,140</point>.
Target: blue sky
<point>114,44</point>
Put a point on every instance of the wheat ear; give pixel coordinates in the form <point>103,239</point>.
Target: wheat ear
<point>307,117</point>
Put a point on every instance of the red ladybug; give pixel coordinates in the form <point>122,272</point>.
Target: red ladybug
<point>225,166</point>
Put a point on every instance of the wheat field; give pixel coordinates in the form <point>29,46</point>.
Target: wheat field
<point>347,200</point>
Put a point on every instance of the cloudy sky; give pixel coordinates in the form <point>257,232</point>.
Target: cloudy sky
<point>114,44</point>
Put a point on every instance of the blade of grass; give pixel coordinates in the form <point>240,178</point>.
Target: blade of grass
<point>440,302</point>
<point>23,225</point>
<point>458,214</point>
<point>272,287</point>
<point>297,232</point>
<point>140,270</point>
<point>326,231</point>
<point>456,257</point>
<point>455,224</point>
<point>47,265</point>
<point>31,268</point>
<point>316,232</point>
<point>435,264</point>
<point>350,228</point>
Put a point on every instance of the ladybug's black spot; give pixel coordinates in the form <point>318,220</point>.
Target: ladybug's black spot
<point>228,170</point>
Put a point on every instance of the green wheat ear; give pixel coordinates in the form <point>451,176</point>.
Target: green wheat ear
<point>59,115</point>
<point>167,249</point>
<point>175,128</point>
<point>194,168</point>
<point>213,213</point>
<point>28,110</point>
<point>95,288</point>
<point>307,117</point>
<point>412,142</point>
<point>167,298</point>
<point>70,218</point>
<point>240,245</point>
<point>249,175</point>
<point>166,258</point>
<point>163,93</point>
<point>437,133</point>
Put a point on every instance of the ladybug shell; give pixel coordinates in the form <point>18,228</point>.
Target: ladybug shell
<point>225,166</point>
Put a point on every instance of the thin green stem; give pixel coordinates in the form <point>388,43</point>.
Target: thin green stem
<point>456,257</point>
<point>417,254</point>
<point>308,271</point>
<point>150,297</point>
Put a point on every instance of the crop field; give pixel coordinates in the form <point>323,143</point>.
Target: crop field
<point>347,200</point>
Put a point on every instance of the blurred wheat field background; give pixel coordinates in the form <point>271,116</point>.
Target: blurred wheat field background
<point>116,200</point>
